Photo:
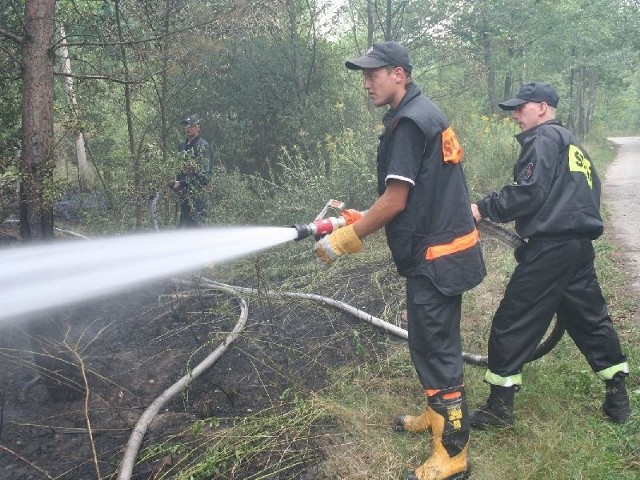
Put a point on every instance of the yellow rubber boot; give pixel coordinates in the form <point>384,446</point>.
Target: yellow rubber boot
<point>413,423</point>
<point>448,417</point>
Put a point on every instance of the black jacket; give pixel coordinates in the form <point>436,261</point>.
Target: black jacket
<point>198,163</point>
<point>556,189</point>
<point>437,210</point>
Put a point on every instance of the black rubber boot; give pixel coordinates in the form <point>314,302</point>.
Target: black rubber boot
<point>449,423</point>
<point>616,400</point>
<point>498,411</point>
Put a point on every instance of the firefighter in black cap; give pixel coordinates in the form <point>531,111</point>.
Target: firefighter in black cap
<point>423,205</point>
<point>195,174</point>
<point>555,203</point>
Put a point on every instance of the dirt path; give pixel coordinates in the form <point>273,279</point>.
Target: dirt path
<point>621,196</point>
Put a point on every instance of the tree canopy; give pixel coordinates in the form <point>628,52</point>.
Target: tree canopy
<point>268,81</point>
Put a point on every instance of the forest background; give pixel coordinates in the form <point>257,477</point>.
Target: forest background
<point>93,93</point>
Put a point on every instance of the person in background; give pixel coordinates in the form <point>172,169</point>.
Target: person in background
<point>423,204</point>
<point>555,203</point>
<point>195,174</point>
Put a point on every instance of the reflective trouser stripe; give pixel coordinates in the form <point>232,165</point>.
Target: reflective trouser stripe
<point>509,381</point>
<point>609,373</point>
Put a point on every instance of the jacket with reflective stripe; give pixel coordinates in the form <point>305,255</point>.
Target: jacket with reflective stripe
<point>437,214</point>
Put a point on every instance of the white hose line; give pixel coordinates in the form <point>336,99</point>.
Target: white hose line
<point>375,321</point>
<point>135,440</point>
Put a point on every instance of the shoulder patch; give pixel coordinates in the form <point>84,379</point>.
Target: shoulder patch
<point>451,149</point>
<point>579,163</point>
<point>528,171</point>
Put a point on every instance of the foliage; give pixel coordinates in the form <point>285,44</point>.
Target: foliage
<point>490,152</point>
<point>301,190</point>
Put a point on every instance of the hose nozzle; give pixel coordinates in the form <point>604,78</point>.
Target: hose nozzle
<point>324,226</point>
<point>304,231</point>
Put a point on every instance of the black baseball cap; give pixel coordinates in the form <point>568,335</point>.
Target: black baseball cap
<point>190,120</point>
<point>381,55</point>
<point>532,92</point>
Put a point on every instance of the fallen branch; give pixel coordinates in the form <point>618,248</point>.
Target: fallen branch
<point>87,419</point>
<point>135,440</point>
<point>20,457</point>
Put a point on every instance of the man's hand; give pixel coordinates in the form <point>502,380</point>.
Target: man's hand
<point>341,241</point>
<point>475,212</point>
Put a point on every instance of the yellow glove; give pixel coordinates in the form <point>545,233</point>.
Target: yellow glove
<point>341,241</point>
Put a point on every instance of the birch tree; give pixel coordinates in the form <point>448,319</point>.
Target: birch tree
<point>86,177</point>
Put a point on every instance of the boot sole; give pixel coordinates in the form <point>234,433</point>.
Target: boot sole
<point>618,416</point>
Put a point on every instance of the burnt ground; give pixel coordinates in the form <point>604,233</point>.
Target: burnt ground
<point>134,345</point>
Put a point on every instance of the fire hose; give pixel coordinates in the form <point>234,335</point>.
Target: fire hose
<point>323,226</point>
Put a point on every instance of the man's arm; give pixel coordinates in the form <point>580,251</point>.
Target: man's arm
<point>533,177</point>
<point>349,239</point>
<point>386,207</point>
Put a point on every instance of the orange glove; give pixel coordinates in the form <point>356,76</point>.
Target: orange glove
<point>330,247</point>
<point>351,215</point>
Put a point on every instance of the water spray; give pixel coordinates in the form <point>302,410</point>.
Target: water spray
<point>39,277</point>
<point>35,278</point>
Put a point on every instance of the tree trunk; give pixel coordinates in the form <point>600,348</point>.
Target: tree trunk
<point>490,71</point>
<point>571,118</point>
<point>37,165</point>
<point>135,157</point>
<point>86,178</point>
<point>388,22</point>
<point>166,24</point>
<point>593,80</point>
<point>295,48</point>
<point>36,162</point>
<point>580,99</point>
<point>370,25</point>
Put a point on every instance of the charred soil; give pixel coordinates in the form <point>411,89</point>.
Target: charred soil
<point>134,345</point>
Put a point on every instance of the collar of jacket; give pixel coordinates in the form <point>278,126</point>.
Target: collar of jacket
<point>188,143</point>
<point>528,135</point>
<point>412,92</point>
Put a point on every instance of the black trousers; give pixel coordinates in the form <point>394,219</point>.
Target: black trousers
<point>553,277</point>
<point>434,334</point>
<point>191,211</point>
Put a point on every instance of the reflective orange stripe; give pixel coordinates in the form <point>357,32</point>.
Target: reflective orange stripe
<point>446,396</point>
<point>451,149</point>
<point>457,245</point>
